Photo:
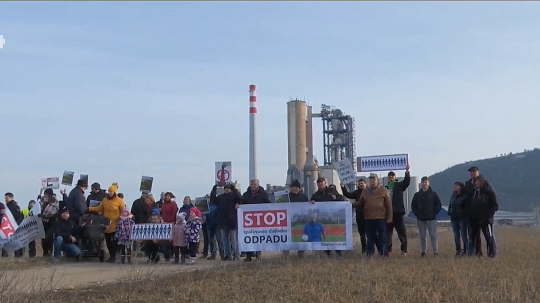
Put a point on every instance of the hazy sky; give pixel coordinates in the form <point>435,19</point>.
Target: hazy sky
<point>119,90</point>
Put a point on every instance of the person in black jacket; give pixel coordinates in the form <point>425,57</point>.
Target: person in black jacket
<point>360,220</point>
<point>65,232</point>
<point>96,194</point>
<point>76,203</point>
<point>470,189</point>
<point>227,221</point>
<point>139,209</point>
<point>480,210</point>
<point>326,194</point>
<point>426,205</point>
<point>457,218</point>
<point>15,210</point>
<point>396,189</point>
<point>255,194</point>
<point>296,194</point>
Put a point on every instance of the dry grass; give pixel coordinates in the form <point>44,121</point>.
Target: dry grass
<point>513,277</point>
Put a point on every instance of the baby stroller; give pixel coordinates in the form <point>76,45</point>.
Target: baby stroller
<point>92,236</point>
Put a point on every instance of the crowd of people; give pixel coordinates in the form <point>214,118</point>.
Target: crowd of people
<point>379,211</point>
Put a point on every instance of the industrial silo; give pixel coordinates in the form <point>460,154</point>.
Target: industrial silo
<point>296,133</point>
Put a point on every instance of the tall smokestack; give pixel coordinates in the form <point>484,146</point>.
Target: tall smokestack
<point>252,132</point>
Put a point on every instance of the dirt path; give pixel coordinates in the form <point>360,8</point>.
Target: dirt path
<point>70,275</point>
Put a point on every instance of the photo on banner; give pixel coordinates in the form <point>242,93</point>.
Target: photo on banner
<point>202,204</point>
<point>146,183</point>
<point>295,226</point>
<point>84,177</point>
<point>67,178</point>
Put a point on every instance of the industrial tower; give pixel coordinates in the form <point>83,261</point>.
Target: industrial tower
<point>338,136</point>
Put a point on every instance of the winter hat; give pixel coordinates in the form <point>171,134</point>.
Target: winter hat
<point>196,211</point>
<point>296,183</point>
<point>182,216</point>
<point>125,209</point>
<point>48,192</point>
<point>114,188</point>
<point>155,211</point>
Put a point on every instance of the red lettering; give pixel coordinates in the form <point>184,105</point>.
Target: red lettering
<point>6,228</point>
<point>267,218</point>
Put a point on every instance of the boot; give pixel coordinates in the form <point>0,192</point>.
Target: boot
<point>212,257</point>
<point>183,260</point>
<point>192,260</point>
<point>122,259</point>
<point>111,260</point>
<point>129,260</point>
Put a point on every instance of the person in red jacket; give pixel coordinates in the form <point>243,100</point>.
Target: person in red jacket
<point>169,209</point>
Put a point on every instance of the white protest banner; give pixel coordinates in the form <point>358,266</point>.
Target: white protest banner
<point>150,231</point>
<point>345,171</point>
<point>295,226</point>
<point>223,173</point>
<point>52,183</point>
<point>30,229</point>
<point>8,225</point>
<point>282,196</point>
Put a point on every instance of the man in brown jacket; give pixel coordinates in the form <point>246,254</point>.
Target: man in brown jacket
<point>376,205</point>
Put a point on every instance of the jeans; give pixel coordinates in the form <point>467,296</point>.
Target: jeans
<point>229,240</point>
<point>398,223</point>
<point>213,237</point>
<point>460,229</point>
<point>60,246</point>
<point>205,239</point>
<point>424,227</point>
<point>376,230</point>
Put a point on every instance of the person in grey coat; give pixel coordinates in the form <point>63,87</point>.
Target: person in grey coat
<point>425,205</point>
<point>76,203</point>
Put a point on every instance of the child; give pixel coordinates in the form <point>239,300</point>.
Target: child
<point>193,230</point>
<point>179,239</point>
<point>123,234</point>
<point>152,248</point>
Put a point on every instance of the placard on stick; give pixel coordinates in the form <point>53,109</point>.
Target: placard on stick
<point>67,178</point>
<point>146,183</point>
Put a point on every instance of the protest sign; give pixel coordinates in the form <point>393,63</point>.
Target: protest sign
<point>202,204</point>
<point>52,183</point>
<point>150,231</point>
<point>345,170</point>
<point>30,229</point>
<point>295,226</point>
<point>8,225</point>
<point>67,178</point>
<point>282,196</point>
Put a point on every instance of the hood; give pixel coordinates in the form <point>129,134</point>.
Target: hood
<point>428,190</point>
<point>482,180</point>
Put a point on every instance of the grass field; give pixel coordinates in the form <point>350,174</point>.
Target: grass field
<point>334,233</point>
<point>512,277</point>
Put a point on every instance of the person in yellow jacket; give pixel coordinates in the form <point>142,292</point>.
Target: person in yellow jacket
<point>111,208</point>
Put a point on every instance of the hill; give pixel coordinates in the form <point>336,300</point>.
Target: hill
<point>514,177</point>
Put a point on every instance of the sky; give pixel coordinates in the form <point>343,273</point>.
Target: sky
<point>117,90</point>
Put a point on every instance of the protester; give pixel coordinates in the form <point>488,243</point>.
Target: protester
<point>296,195</point>
<point>76,203</point>
<point>180,248</point>
<point>159,203</point>
<point>186,205</point>
<point>96,194</point>
<point>475,239</point>
<point>65,232</point>
<point>15,210</point>
<point>152,248</point>
<point>396,189</point>
<point>214,234</point>
<point>360,220</point>
<point>457,219</point>
<point>326,194</point>
<point>206,242</point>
<point>376,205</point>
<point>480,210</point>
<point>32,244</point>
<point>49,213</point>
<point>193,230</point>
<point>111,207</point>
<point>255,194</point>
<point>426,206</point>
<point>227,221</point>
<point>168,208</point>
<point>139,209</point>
<point>122,235</point>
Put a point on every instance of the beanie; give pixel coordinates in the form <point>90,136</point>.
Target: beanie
<point>296,183</point>
<point>195,211</point>
<point>113,188</point>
